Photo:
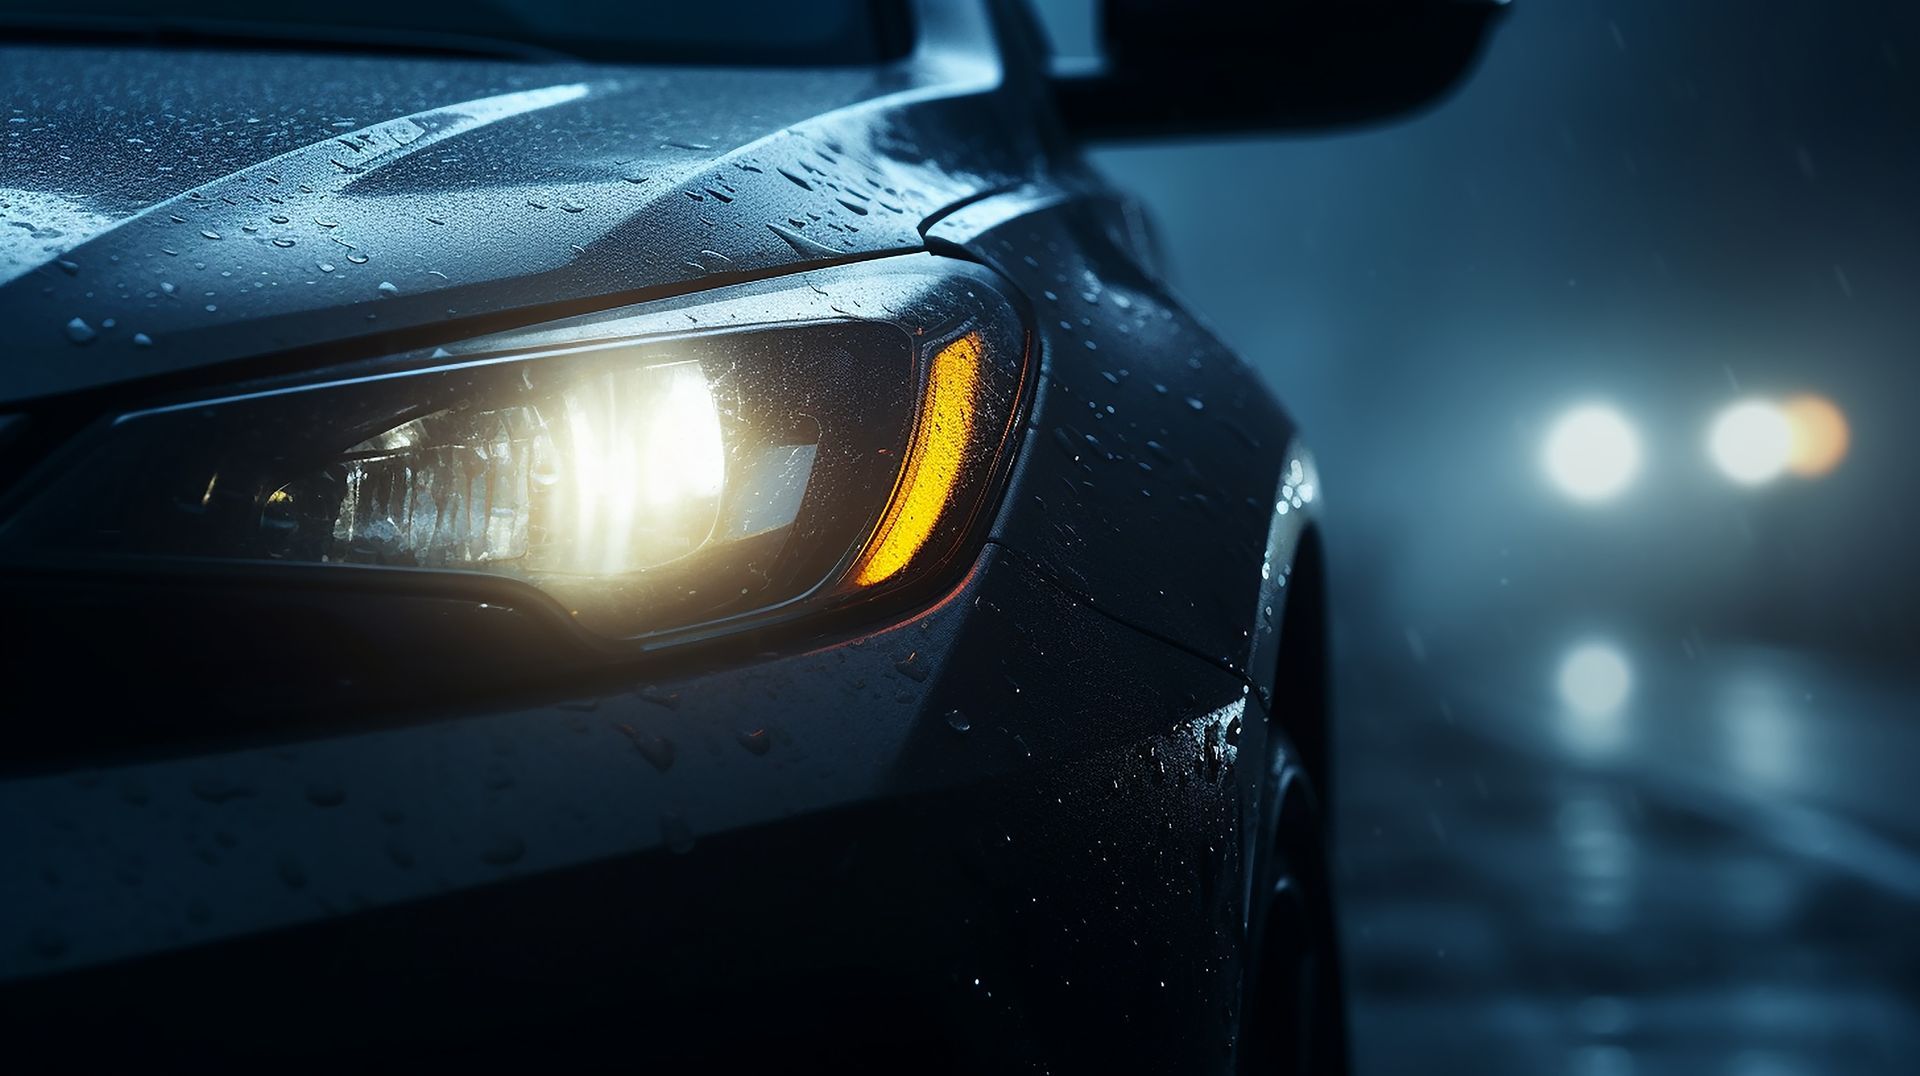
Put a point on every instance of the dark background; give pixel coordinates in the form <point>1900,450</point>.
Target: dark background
<point>1665,207</point>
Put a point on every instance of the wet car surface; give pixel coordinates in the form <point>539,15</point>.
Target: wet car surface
<point>1613,753</point>
<point>533,555</point>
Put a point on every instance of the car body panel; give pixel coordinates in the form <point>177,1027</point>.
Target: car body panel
<point>1010,821</point>
<point>437,195</point>
<point>1109,859</point>
<point>1159,476</point>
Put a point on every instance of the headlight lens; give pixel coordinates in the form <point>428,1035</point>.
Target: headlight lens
<point>613,472</point>
<point>675,466</point>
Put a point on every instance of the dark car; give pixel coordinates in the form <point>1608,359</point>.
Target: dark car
<point>560,535</point>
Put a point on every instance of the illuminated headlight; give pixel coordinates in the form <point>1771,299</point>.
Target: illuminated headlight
<point>678,465</point>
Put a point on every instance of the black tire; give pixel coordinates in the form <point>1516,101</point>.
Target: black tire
<point>1293,997</point>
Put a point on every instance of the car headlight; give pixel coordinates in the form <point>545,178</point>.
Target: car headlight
<point>697,463</point>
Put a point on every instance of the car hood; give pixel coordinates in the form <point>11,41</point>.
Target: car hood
<point>164,211</point>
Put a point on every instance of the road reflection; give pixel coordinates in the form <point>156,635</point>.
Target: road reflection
<point>1594,682</point>
<point>1709,875</point>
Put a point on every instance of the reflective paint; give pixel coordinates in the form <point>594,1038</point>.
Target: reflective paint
<point>329,166</point>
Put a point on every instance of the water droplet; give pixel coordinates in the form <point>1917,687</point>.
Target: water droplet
<point>142,340</point>
<point>326,267</point>
<point>657,750</point>
<point>1195,403</point>
<point>756,741</point>
<point>654,695</point>
<point>957,721</point>
<point>80,332</point>
<point>911,667</point>
<point>71,268</point>
<point>798,181</point>
<point>571,206</point>
<point>209,233</point>
<point>800,243</point>
<point>358,258</point>
<point>387,288</point>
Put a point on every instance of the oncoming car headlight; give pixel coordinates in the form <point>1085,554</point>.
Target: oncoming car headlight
<point>749,453</point>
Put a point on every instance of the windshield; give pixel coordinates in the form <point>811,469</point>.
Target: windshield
<point>771,32</point>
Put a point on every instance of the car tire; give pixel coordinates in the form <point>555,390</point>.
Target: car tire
<point>1293,997</point>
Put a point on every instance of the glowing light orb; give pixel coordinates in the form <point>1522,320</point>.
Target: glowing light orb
<point>1592,453</point>
<point>1595,679</point>
<point>1751,441</point>
<point>1820,435</point>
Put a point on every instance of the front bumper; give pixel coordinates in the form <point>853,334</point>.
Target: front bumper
<point>1009,825</point>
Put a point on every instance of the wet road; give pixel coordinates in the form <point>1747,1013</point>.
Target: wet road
<point>1719,875</point>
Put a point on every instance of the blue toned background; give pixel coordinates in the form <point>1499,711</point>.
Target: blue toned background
<point>1626,784</point>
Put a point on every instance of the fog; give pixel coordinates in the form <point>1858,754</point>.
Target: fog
<point>1664,207</point>
<point>1625,706</point>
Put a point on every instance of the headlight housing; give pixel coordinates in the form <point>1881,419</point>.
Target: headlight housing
<point>674,469</point>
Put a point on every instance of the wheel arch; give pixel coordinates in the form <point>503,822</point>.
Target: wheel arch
<point>1299,695</point>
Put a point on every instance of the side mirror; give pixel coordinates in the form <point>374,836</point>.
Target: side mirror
<point>1177,67</point>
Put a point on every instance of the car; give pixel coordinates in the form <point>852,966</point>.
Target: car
<point>543,535</point>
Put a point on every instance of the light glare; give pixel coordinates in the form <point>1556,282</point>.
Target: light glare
<point>1592,453</point>
<point>1820,435</point>
<point>1751,442</point>
<point>1594,679</point>
<point>647,462</point>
